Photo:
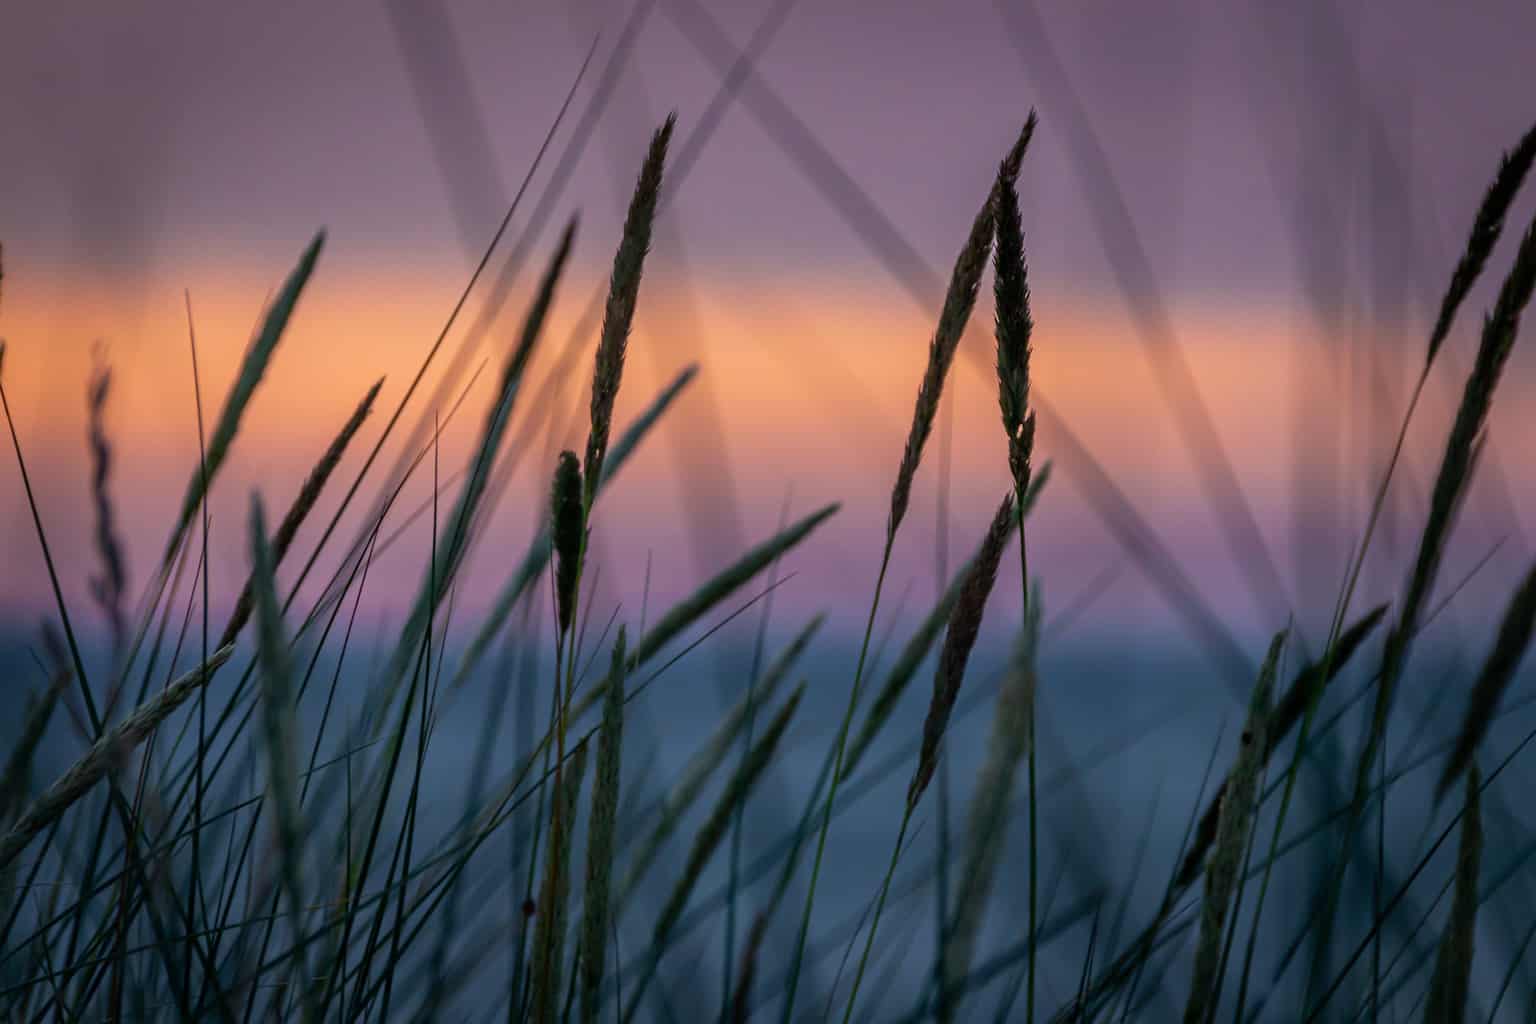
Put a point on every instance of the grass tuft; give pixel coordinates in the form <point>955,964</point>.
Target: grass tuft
<point>708,838</point>
<point>200,888</point>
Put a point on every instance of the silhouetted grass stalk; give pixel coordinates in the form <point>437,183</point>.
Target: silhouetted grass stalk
<point>1487,226</point>
<point>959,300</point>
<point>959,639</point>
<point>1013,329</point>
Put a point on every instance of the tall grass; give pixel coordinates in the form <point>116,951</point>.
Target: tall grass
<point>959,299</point>
<point>187,860</point>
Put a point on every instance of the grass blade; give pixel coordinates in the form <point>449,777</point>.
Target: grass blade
<point>904,670</point>
<point>725,583</point>
<point>108,587</point>
<point>1448,988</point>
<point>103,755</point>
<point>1508,650</point>
<point>600,837</point>
<point>279,733</point>
<point>1011,736</point>
<point>554,898</point>
<point>1486,228</point>
<point>709,836</point>
<point>959,639</point>
<point>252,369</point>
<point>303,503</point>
<point>1233,827</point>
<point>1500,329</point>
<point>537,556</point>
<point>435,587</point>
<point>704,765</point>
<point>18,765</point>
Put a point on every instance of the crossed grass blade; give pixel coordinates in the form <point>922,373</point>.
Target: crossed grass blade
<point>279,734</point>
<point>1448,987</point>
<point>705,764</point>
<point>722,585</point>
<point>959,300</point>
<point>18,765</point>
<point>1500,329</point>
<point>679,618</point>
<point>456,532</point>
<point>1487,227</point>
<point>601,837</point>
<point>911,656</point>
<point>1011,736</point>
<point>708,838</point>
<point>1287,713</point>
<point>1463,447</point>
<point>539,549</point>
<point>1305,686</point>
<point>1234,825</point>
<point>437,582</point>
<point>447,865</point>
<point>303,504</point>
<point>1450,983</point>
<point>1498,670</point>
<point>252,369</point>
<point>554,898</point>
<point>959,639</point>
<point>95,764</point>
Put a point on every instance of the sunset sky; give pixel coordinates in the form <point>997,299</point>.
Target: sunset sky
<point>1269,195</point>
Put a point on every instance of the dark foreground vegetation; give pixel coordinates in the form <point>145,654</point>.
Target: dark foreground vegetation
<point>227,859</point>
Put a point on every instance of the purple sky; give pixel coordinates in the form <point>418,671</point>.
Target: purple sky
<point>1307,169</point>
<point>151,135</point>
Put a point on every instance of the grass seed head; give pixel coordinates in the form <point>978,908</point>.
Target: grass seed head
<point>568,530</point>
<point>623,292</point>
<point>964,624</point>
<point>1508,651</point>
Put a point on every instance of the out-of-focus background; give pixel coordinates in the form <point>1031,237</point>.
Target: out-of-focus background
<point>1263,203</point>
<point>1239,221</point>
